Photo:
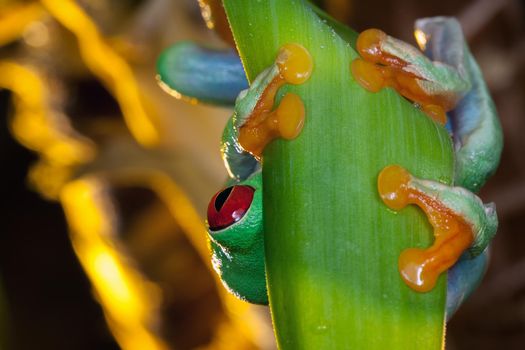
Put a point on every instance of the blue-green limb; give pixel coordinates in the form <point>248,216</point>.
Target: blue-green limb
<point>476,128</point>
<point>193,72</point>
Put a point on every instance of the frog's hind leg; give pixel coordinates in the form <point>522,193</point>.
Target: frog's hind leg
<point>462,279</point>
<point>476,128</point>
<point>460,220</point>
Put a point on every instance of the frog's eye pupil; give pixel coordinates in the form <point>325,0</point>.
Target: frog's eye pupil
<point>221,198</point>
<point>229,206</point>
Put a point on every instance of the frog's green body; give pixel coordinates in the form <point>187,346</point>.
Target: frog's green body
<point>238,251</point>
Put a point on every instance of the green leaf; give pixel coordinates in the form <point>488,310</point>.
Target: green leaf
<point>331,245</point>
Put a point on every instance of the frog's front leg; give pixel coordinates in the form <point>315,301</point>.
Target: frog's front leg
<point>255,122</point>
<point>463,278</point>
<point>461,222</point>
<point>436,86</point>
<point>235,230</point>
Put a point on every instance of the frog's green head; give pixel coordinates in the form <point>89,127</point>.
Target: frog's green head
<point>235,230</point>
<point>235,216</point>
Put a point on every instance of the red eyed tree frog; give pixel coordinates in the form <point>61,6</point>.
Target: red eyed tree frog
<point>443,80</point>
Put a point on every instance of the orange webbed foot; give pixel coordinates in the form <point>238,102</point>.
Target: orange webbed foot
<point>453,232</point>
<point>295,66</point>
<point>388,62</point>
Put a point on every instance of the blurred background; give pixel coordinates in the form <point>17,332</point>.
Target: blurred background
<point>105,178</point>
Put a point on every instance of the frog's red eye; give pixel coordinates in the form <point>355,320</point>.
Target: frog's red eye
<point>229,206</point>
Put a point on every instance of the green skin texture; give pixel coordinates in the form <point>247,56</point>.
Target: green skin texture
<point>478,153</point>
<point>481,217</point>
<point>238,251</point>
<point>478,136</point>
<point>436,78</point>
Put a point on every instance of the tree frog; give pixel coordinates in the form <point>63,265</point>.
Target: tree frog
<point>445,82</point>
